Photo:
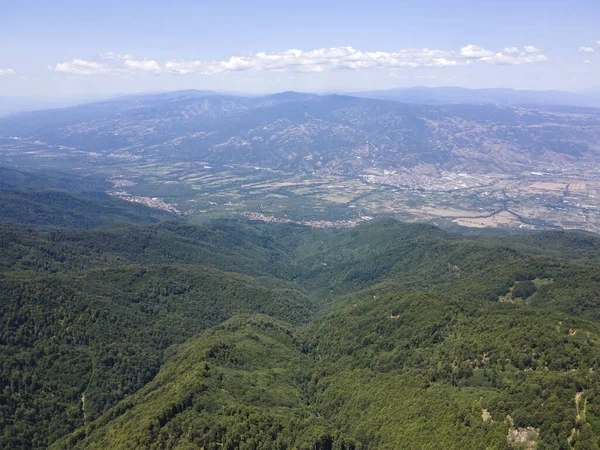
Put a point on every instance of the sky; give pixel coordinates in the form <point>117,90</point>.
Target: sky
<point>88,48</point>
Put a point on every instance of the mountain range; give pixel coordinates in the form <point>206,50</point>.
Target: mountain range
<point>497,96</point>
<point>326,133</point>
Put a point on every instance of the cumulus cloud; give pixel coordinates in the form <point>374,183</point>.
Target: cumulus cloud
<point>514,56</point>
<point>81,67</point>
<point>343,58</point>
<point>586,49</point>
<point>147,65</point>
<point>317,60</point>
<point>510,55</point>
<point>186,67</point>
<point>113,55</point>
<point>511,50</point>
<point>7,72</point>
<point>531,49</point>
<point>472,51</point>
<point>115,64</point>
<point>348,58</point>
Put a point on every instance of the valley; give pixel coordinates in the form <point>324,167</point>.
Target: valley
<point>565,198</point>
<point>338,159</point>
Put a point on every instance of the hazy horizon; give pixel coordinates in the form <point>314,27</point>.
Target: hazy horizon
<point>83,49</point>
<point>357,90</point>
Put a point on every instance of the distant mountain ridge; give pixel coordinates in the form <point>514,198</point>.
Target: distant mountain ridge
<point>499,96</point>
<point>307,132</point>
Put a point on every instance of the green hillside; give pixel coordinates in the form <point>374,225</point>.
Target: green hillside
<point>55,180</point>
<point>100,335</point>
<point>237,386</point>
<point>53,200</point>
<point>57,209</point>
<point>243,335</point>
<point>422,370</point>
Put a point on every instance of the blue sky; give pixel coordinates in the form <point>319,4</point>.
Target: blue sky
<point>87,48</point>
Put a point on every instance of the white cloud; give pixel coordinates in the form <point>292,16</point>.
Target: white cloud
<point>511,50</point>
<point>236,64</point>
<point>531,49</point>
<point>81,67</point>
<point>515,58</point>
<point>348,58</point>
<point>472,51</point>
<point>145,65</point>
<point>115,64</point>
<point>586,61</point>
<point>112,55</point>
<point>7,72</point>
<point>508,56</point>
<point>187,67</point>
<point>300,61</point>
<point>586,49</point>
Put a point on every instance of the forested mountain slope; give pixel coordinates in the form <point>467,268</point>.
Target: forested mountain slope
<point>236,334</point>
<point>52,200</point>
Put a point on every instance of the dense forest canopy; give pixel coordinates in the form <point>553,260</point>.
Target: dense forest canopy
<point>125,328</point>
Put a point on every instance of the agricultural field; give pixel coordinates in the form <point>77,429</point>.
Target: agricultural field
<point>337,159</point>
<point>567,199</point>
